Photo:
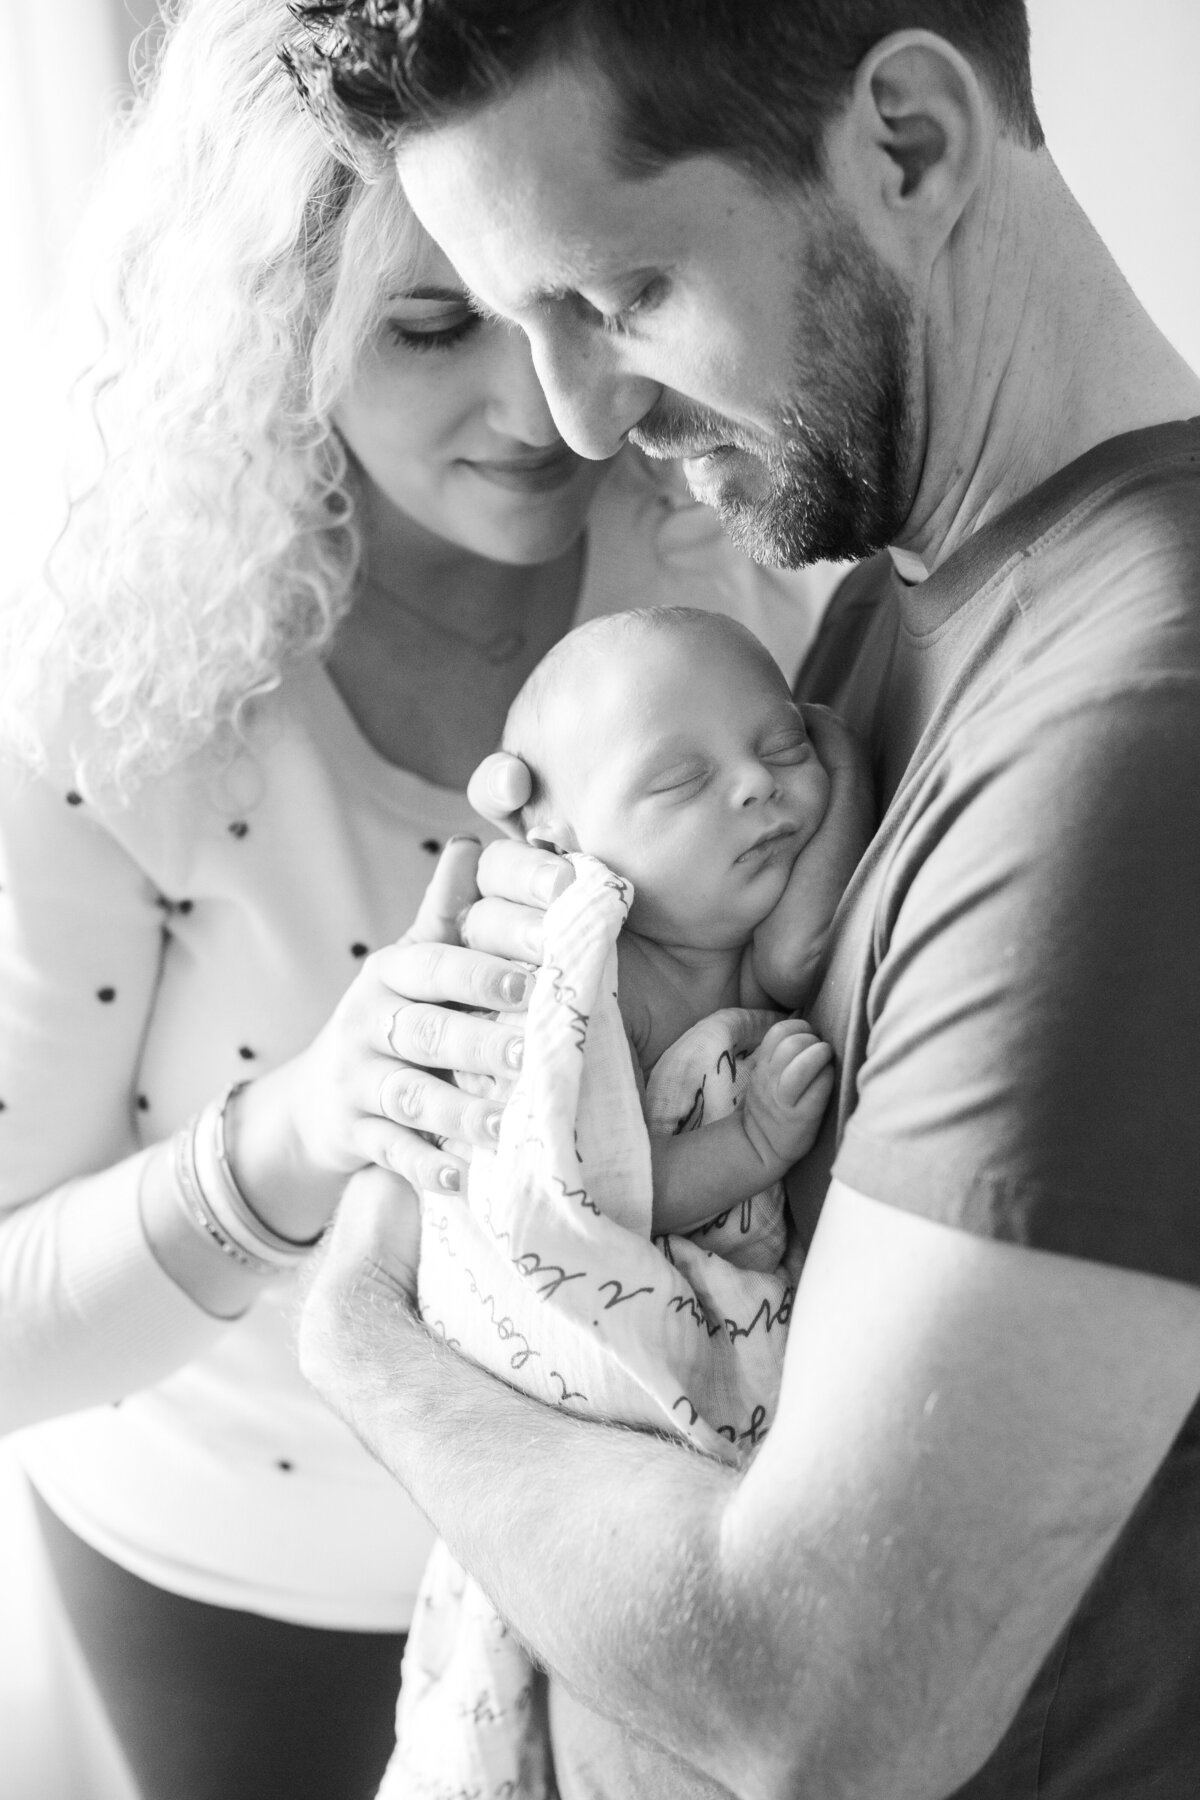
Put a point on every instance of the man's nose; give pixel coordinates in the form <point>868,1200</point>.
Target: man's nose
<point>594,401</point>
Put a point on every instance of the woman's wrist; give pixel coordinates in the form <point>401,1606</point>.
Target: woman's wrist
<point>270,1164</point>
<point>181,1247</point>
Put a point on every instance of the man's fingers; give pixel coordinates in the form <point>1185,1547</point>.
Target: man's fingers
<point>499,789</point>
<point>451,890</point>
<point>833,739</point>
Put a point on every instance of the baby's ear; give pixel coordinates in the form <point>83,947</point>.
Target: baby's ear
<point>552,834</point>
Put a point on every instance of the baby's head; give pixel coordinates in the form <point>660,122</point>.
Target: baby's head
<point>666,743</point>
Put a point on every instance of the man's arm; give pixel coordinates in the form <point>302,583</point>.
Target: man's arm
<point>964,1428</point>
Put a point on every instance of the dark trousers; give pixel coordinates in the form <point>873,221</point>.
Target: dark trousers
<point>213,1704</point>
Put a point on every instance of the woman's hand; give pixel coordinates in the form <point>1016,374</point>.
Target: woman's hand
<point>374,1085</point>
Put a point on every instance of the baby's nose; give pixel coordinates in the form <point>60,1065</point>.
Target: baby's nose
<point>755,784</point>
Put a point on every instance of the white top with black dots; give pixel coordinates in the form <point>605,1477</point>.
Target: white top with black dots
<point>147,958</point>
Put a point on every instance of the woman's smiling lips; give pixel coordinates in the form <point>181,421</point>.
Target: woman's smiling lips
<point>539,473</point>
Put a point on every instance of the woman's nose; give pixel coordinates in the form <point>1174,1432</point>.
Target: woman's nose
<point>517,407</point>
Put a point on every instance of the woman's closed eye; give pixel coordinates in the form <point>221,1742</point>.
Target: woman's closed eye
<point>438,328</point>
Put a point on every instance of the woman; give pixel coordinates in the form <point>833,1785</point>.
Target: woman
<point>322,527</point>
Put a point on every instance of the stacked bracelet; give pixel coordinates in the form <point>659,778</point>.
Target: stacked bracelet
<point>216,1204</point>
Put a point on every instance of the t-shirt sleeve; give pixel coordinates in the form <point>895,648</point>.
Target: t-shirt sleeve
<point>1033,1056</point>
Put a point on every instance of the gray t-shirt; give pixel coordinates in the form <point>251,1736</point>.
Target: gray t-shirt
<point>1013,991</point>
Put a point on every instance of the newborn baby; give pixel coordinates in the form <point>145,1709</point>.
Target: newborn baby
<point>666,744</point>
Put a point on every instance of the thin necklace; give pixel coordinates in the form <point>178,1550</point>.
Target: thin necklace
<point>499,647</point>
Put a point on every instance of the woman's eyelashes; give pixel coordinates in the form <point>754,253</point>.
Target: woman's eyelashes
<point>433,332</point>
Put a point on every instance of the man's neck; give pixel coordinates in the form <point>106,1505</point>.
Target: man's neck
<point>1037,350</point>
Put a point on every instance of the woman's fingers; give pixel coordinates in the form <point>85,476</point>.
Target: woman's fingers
<point>504,928</point>
<point>449,975</point>
<point>522,873</point>
<point>518,882</point>
<point>421,1102</point>
<point>499,789</point>
<point>451,890</point>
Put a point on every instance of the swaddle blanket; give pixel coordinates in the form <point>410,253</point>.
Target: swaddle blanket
<point>549,1277</point>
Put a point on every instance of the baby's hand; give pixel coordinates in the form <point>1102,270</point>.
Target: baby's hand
<point>787,1094</point>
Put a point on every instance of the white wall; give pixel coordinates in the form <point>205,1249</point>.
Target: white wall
<point>1116,84</point>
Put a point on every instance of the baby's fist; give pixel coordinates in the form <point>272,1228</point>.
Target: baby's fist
<point>788,1091</point>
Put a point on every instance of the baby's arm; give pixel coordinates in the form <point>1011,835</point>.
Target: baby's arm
<point>701,1174</point>
<point>783,957</point>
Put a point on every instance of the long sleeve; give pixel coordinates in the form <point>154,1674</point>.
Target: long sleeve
<point>86,1314</point>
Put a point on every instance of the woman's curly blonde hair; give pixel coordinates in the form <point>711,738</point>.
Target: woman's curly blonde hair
<point>234,270</point>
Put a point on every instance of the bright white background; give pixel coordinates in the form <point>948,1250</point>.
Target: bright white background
<point>1116,85</point>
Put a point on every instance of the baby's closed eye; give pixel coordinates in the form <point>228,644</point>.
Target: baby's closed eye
<point>680,781</point>
<point>787,748</point>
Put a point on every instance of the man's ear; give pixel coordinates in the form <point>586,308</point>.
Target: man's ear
<point>908,151</point>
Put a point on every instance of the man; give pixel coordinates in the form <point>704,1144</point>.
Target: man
<point>820,253</point>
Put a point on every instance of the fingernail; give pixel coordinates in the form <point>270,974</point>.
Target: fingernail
<point>492,1124</point>
<point>450,1178</point>
<point>461,837</point>
<point>551,880</point>
<point>513,989</point>
<point>514,1052</point>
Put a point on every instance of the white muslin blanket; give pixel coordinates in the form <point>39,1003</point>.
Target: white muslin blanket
<point>548,1276</point>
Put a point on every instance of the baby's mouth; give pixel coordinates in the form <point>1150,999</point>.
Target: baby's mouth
<point>766,841</point>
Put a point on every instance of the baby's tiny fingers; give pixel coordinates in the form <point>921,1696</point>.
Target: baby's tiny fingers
<point>812,1064</point>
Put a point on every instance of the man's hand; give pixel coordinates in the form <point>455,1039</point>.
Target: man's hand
<point>786,1095</point>
<point>789,943</point>
<point>359,1312</point>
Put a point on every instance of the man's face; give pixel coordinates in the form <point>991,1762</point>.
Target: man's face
<point>757,337</point>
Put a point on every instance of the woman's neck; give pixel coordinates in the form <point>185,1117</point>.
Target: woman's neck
<point>438,641</point>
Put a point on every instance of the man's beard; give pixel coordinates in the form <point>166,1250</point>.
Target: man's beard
<point>836,465</point>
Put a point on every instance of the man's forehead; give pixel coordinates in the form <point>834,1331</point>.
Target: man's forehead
<point>523,193</point>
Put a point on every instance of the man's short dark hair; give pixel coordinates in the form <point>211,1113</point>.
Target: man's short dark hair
<point>755,81</point>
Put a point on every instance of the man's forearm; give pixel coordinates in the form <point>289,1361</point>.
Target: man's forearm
<point>615,1557</point>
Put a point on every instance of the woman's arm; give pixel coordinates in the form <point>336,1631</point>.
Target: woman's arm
<point>106,1281</point>
<point>89,1310</point>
